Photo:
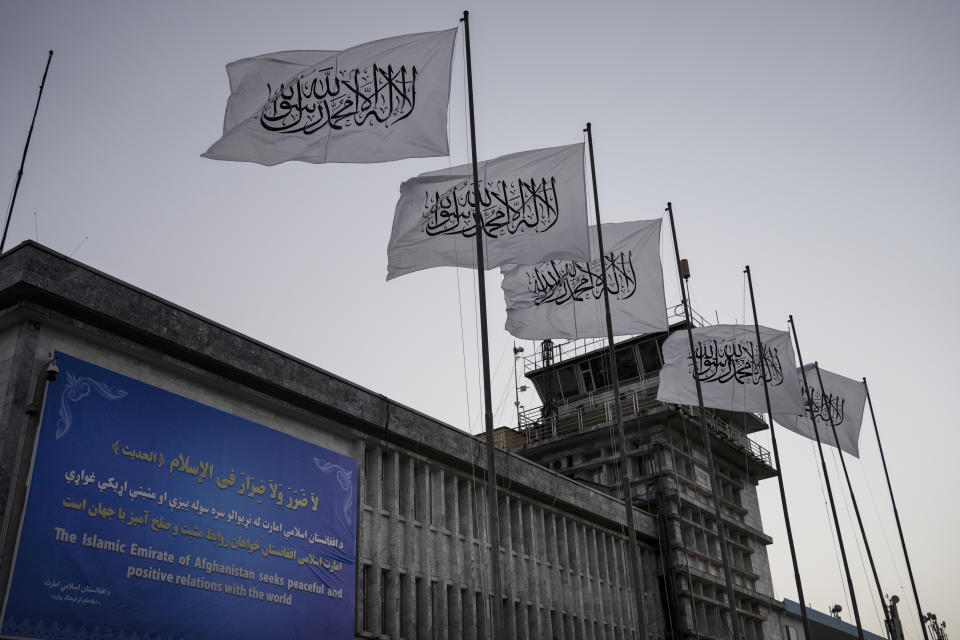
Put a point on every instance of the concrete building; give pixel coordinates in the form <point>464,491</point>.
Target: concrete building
<point>422,553</point>
<point>572,434</point>
<point>422,561</point>
<point>822,625</point>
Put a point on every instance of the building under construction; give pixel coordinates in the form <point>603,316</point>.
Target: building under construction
<point>573,433</point>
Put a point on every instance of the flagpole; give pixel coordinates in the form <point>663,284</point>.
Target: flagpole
<point>856,509</point>
<point>896,514</point>
<point>636,577</point>
<point>776,456</point>
<point>826,477</point>
<point>493,512</point>
<point>23,159</point>
<point>735,627</point>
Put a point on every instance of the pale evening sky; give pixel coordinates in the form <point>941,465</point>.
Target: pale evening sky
<point>817,142</point>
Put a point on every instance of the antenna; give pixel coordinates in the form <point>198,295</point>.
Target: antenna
<point>23,159</point>
<point>78,246</point>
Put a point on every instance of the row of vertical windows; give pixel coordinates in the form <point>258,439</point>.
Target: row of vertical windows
<point>556,563</point>
<point>570,380</point>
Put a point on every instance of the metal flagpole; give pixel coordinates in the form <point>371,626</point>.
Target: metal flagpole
<point>492,505</point>
<point>23,159</point>
<point>776,456</point>
<point>896,514</point>
<point>826,477</point>
<point>636,576</point>
<point>856,509</point>
<point>735,626</point>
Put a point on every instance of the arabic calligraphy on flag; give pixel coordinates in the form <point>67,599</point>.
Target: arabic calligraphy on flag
<point>728,366</point>
<point>253,80</point>
<point>379,101</point>
<point>533,207</point>
<point>564,298</point>
<point>840,407</point>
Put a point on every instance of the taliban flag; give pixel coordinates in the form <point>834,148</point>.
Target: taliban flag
<point>379,101</point>
<point>564,298</point>
<point>533,207</point>
<point>729,369</point>
<point>841,406</point>
<point>252,80</point>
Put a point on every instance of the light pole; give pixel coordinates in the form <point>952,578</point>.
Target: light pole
<point>516,381</point>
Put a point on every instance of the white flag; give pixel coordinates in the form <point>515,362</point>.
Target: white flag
<point>842,408</point>
<point>564,298</point>
<point>253,80</point>
<point>379,101</point>
<point>728,365</point>
<point>533,205</point>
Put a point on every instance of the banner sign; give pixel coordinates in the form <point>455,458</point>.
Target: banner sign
<point>150,515</point>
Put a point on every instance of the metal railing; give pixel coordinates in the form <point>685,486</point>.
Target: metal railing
<point>638,396</point>
<point>734,437</point>
<point>575,348</point>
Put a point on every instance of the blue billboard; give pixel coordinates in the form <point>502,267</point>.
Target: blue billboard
<point>150,515</point>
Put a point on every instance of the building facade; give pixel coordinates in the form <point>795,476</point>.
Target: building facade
<point>822,625</point>
<point>422,562</point>
<point>422,553</point>
<point>573,433</point>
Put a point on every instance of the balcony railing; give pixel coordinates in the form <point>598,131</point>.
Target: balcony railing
<point>638,396</point>
<point>571,349</point>
<point>736,438</point>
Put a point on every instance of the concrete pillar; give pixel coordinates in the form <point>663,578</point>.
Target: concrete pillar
<point>509,572</point>
<point>440,553</point>
<point>548,572</point>
<point>374,594</point>
<point>425,622</point>
<point>391,497</point>
<point>410,548</point>
<point>534,559</point>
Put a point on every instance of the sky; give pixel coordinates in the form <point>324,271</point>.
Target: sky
<point>817,142</point>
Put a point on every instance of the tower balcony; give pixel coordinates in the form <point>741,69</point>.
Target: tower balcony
<point>540,425</point>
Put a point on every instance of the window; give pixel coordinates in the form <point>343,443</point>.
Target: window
<point>627,364</point>
<point>649,355</point>
<point>568,382</point>
<point>598,367</point>
<point>421,491</point>
<point>406,616</point>
<point>372,479</point>
<point>386,481</point>
<point>587,376</point>
<point>406,491</point>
